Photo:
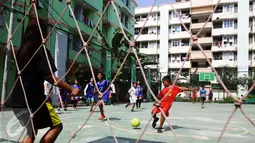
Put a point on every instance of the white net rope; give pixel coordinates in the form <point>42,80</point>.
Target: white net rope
<point>131,49</point>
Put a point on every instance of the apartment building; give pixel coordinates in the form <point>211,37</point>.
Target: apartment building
<point>228,39</point>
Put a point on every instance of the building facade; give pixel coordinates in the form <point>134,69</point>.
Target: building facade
<point>227,39</point>
<point>64,43</point>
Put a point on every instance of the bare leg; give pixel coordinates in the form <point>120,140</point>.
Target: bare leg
<point>162,120</point>
<point>140,102</point>
<point>30,135</point>
<point>92,105</point>
<point>203,102</point>
<point>137,103</point>
<point>52,134</point>
<point>101,107</point>
<point>65,105</point>
<point>133,106</point>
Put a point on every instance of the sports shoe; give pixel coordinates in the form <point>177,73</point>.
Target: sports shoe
<point>101,117</point>
<point>159,130</point>
<point>65,109</point>
<point>154,123</point>
<point>126,105</point>
<point>58,109</point>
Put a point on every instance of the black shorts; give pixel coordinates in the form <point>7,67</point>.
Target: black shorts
<point>43,118</point>
<point>203,98</point>
<point>210,98</point>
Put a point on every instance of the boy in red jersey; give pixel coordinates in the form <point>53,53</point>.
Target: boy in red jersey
<point>166,102</point>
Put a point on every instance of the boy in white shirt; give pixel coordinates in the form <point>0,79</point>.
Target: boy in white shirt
<point>133,96</point>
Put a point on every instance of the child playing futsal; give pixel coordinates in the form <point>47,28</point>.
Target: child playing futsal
<point>133,96</point>
<point>89,93</point>
<point>33,78</point>
<point>102,85</point>
<point>140,95</point>
<point>166,102</point>
<point>76,98</point>
<point>194,97</point>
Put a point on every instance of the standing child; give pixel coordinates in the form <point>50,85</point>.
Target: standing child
<point>102,85</point>
<point>194,96</point>
<point>63,95</point>
<point>76,98</point>
<point>33,77</point>
<point>210,96</point>
<point>203,96</point>
<point>89,93</point>
<point>140,95</point>
<point>166,102</point>
<point>133,96</point>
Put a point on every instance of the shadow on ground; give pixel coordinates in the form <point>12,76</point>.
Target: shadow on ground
<point>110,139</point>
<point>175,127</point>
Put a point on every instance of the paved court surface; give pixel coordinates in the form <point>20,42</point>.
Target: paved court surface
<point>191,123</point>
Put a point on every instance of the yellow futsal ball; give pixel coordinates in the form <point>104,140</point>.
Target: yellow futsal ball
<point>135,122</point>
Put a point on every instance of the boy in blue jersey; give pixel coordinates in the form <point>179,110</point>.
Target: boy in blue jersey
<point>139,95</point>
<point>203,96</point>
<point>102,85</point>
<point>89,93</point>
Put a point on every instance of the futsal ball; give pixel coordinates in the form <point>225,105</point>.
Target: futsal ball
<point>135,122</point>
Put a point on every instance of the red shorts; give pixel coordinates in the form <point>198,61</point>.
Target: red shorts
<point>164,108</point>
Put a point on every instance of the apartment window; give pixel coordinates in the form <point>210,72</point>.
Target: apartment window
<point>40,4</point>
<point>228,41</point>
<point>228,24</point>
<point>144,45</point>
<point>217,56</point>
<point>176,43</point>
<point>175,14</point>
<point>152,45</point>
<point>77,43</point>
<point>176,28</point>
<point>227,8</point>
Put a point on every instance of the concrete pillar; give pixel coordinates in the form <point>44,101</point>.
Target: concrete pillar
<point>164,38</point>
<point>243,42</point>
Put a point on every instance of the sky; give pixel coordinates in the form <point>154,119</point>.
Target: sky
<point>143,3</point>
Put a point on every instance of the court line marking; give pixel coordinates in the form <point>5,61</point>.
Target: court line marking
<point>156,134</point>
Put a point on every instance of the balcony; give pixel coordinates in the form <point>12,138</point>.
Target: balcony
<point>221,16</point>
<point>205,40</point>
<point>201,3</point>
<point>149,23</point>
<point>224,1</point>
<point>222,63</point>
<point>147,37</point>
<point>173,21</point>
<point>200,25</point>
<point>196,55</point>
<point>201,10</point>
<point>252,13</point>
<point>177,65</point>
<point>150,50</point>
<point>224,49</point>
<point>252,63</point>
<point>252,46</point>
<point>179,35</point>
<point>224,31</point>
<point>178,50</point>
<point>199,70</point>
